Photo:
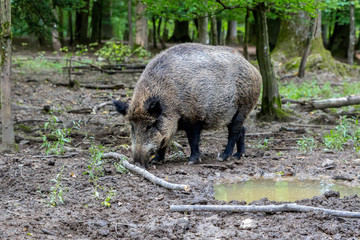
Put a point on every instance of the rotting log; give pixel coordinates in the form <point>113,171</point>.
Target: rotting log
<point>152,178</point>
<point>267,208</point>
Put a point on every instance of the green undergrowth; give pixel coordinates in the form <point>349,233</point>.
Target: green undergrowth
<point>344,136</point>
<point>313,90</point>
<point>38,64</point>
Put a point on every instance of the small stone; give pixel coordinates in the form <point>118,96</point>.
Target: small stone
<point>356,162</point>
<point>248,224</point>
<point>328,164</point>
<point>104,232</point>
<point>331,193</point>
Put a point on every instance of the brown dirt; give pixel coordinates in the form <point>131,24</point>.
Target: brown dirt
<point>140,209</point>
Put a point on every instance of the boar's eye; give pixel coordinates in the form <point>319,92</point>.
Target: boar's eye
<point>154,126</point>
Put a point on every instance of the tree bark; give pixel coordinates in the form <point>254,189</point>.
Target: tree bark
<point>71,31</point>
<point>231,32</point>
<point>106,25</point>
<point>271,101</point>
<point>247,34</point>
<point>306,53</point>
<point>8,139</point>
<point>141,37</point>
<point>330,103</point>
<point>55,34</point>
<point>131,38</point>
<point>96,21</point>
<point>181,32</point>
<point>219,30</point>
<point>214,31</point>
<point>154,32</point>
<point>202,29</point>
<point>61,26</point>
<point>339,41</point>
<point>82,22</point>
<point>351,49</point>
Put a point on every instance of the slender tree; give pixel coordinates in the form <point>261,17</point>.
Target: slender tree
<point>141,37</point>
<point>8,139</point>
<point>247,34</point>
<point>131,41</point>
<point>306,53</point>
<point>351,49</point>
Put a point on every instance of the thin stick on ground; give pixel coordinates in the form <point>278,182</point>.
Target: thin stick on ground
<point>152,178</point>
<point>267,208</point>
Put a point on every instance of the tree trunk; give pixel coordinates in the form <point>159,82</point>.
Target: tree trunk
<point>61,26</point>
<point>154,32</point>
<point>181,32</point>
<point>231,32</point>
<point>131,38</point>
<point>96,21</point>
<point>219,30</point>
<point>141,37</point>
<point>247,34</point>
<point>306,53</point>
<point>339,41</point>
<point>274,29</point>
<point>71,31</point>
<point>164,36</point>
<point>214,31</point>
<point>82,22</point>
<point>271,101</point>
<point>8,139</point>
<point>324,34</point>
<point>351,49</point>
<point>106,25</point>
<point>56,45</point>
<point>202,29</point>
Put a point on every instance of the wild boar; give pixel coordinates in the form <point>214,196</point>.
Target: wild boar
<point>191,87</point>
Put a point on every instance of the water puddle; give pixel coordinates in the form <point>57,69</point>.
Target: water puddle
<point>279,190</point>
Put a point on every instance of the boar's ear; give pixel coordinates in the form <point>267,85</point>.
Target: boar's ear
<point>121,107</point>
<point>153,106</point>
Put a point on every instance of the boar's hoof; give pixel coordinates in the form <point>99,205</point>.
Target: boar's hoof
<point>222,157</point>
<point>239,155</point>
<point>194,160</point>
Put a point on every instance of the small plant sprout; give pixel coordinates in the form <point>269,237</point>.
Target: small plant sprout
<point>306,144</point>
<point>263,144</point>
<point>57,191</point>
<point>60,136</point>
<point>108,198</point>
<point>96,167</point>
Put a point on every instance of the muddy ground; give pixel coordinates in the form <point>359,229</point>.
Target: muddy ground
<point>140,209</point>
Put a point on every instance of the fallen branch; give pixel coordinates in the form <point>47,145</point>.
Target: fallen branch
<point>89,110</point>
<point>152,178</point>
<point>330,103</point>
<point>267,208</point>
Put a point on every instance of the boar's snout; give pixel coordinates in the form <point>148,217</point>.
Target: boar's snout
<point>141,159</point>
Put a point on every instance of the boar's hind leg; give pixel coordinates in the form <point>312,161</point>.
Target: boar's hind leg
<point>236,131</point>
<point>193,135</point>
<point>240,144</point>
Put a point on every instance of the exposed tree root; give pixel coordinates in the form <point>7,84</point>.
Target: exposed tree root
<point>268,209</point>
<point>152,178</point>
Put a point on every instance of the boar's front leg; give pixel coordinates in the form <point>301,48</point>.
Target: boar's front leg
<point>236,135</point>
<point>193,135</point>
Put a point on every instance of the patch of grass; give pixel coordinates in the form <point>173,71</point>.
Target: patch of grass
<point>108,198</point>
<point>346,132</point>
<point>39,64</point>
<point>57,191</point>
<point>263,144</point>
<point>306,144</point>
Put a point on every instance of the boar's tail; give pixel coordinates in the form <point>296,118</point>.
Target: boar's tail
<point>121,107</point>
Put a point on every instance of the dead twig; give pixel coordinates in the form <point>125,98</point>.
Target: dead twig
<point>152,178</point>
<point>267,208</point>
